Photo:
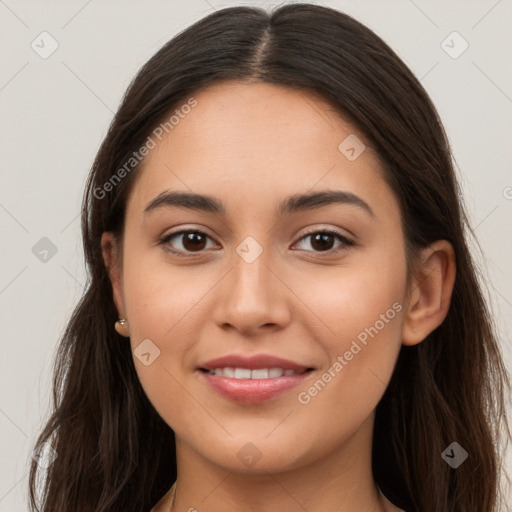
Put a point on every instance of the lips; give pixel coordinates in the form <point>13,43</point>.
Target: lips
<point>252,362</point>
<point>253,379</point>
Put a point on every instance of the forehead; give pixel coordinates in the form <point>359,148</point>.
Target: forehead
<point>255,143</point>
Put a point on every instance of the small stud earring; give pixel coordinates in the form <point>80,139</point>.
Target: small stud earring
<point>121,326</point>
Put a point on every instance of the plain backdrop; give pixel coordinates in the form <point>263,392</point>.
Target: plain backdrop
<point>55,110</point>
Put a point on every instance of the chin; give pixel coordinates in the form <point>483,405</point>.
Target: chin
<point>255,454</point>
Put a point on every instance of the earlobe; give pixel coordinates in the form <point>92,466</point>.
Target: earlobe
<point>430,293</point>
<point>111,256</point>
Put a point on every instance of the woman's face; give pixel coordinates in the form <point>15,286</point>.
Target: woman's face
<point>261,279</point>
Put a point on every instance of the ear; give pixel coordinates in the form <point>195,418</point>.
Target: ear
<point>430,292</point>
<point>111,251</point>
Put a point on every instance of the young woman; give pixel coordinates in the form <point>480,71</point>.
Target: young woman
<point>282,312</point>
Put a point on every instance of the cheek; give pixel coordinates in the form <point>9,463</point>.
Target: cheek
<point>165,306</point>
<point>360,308</point>
<point>353,298</point>
<point>360,359</point>
<point>159,296</point>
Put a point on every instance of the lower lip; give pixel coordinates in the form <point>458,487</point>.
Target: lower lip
<point>251,391</point>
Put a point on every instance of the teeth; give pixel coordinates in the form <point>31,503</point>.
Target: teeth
<point>275,372</point>
<point>242,373</point>
<point>227,372</point>
<point>259,373</point>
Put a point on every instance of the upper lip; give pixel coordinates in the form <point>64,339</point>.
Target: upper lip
<point>252,362</point>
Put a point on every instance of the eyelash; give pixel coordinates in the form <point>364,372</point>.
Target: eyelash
<point>345,241</point>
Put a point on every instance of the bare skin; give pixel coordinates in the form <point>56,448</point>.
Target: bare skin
<point>251,146</point>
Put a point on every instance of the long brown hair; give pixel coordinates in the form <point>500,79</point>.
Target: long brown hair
<point>113,450</point>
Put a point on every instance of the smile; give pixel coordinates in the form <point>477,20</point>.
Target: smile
<point>259,373</point>
<point>251,386</point>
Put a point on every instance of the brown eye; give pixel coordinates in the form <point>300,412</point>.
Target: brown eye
<point>186,242</point>
<point>322,241</point>
<point>193,241</point>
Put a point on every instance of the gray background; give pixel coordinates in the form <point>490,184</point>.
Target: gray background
<point>56,110</point>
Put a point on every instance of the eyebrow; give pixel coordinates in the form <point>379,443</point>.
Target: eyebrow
<point>292,204</point>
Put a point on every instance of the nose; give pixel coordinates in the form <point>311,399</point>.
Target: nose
<point>251,298</point>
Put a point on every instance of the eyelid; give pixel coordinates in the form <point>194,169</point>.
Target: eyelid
<point>327,229</point>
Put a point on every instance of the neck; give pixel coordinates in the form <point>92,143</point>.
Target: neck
<point>339,480</point>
